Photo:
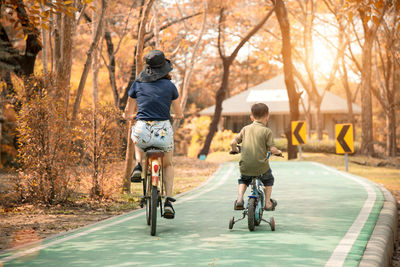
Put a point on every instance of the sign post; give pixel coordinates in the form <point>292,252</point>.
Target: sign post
<point>344,141</point>
<point>299,134</point>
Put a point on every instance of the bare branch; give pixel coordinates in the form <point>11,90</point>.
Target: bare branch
<point>250,34</point>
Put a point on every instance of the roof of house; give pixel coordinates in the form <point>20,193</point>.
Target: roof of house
<point>273,93</point>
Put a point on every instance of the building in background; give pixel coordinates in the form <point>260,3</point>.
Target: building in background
<point>236,109</point>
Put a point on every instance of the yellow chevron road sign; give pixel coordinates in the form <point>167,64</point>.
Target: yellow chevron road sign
<point>299,134</point>
<point>344,138</point>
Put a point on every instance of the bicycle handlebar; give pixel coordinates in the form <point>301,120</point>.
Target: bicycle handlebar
<point>268,154</point>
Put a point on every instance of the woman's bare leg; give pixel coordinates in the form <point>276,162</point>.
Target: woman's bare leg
<point>138,155</point>
<point>168,169</point>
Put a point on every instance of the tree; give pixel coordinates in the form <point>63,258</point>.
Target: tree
<point>189,69</point>
<point>293,95</point>
<point>85,72</point>
<point>148,38</point>
<point>387,67</point>
<point>371,14</point>
<point>306,17</point>
<point>95,191</point>
<point>139,67</point>
<point>226,63</point>
<point>10,58</point>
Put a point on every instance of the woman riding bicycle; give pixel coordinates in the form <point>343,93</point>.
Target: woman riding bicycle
<point>153,94</point>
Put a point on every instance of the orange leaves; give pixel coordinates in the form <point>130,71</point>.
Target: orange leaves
<point>375,20</point>
<point>370,10</point>
<point>378,4</point>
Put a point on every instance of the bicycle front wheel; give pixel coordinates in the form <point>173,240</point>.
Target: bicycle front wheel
<point>251,213</point>
<point>153,210</point>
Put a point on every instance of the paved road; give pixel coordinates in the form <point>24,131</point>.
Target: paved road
<point>324,218</point>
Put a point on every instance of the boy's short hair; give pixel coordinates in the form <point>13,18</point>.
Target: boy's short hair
<point>259,110</point>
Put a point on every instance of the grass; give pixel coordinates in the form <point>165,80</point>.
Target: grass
<point>362,166</point>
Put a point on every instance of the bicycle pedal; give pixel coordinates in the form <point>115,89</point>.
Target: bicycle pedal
<point>136,180</point>
<point>171,199</point>
<point>142,201</point>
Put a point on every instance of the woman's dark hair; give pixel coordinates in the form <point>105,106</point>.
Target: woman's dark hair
<point>259,110</point>
<point>168,76</point>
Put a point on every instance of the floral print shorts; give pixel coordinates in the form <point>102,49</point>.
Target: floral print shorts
<point>153,133</point>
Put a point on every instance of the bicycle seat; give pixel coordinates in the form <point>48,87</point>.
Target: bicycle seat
<point>154,151</point>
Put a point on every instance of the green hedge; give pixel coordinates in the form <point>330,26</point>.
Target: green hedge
<point>319,146</point>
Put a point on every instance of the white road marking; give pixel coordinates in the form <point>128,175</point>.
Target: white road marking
<point>343,248</point>
<point>91,230</point>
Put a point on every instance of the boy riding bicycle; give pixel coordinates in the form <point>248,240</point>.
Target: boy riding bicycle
<point>256,140</point>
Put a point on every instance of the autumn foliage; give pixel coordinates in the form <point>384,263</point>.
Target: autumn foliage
<point>48,149</point>
<point>56,155</point>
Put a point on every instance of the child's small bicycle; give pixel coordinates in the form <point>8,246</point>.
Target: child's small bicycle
<point>255,205</point>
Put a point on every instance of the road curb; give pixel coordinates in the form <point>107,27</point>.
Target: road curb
<point>380,247</point>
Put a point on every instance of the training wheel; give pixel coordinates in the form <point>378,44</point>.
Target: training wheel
<point>272,223</point>
<point>231,222</point>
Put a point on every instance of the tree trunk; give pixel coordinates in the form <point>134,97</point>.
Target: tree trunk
<point>367,138</point>
<point>44,47</point>
<point>67,43</point>
<point>111,68</point>
<point>132,77</point>
<point>282,16</point>
<point>88,62</point>
<point>367,145</point>
<point>349,96</point>
<point>319,122</point>
<point>51,49</point>
<point>391,115</point>
<point>391,145</point>
<point>139,67</point>
<point>57,46</point>
<point>95,191</point>
<point>219,98</point>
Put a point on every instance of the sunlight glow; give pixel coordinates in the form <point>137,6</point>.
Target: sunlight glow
<point>324,57</point>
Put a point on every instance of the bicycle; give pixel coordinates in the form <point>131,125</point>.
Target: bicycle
<point>153,186</point>
<point>255,205</point>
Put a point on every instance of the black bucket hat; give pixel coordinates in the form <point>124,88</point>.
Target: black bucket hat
<point>157,66</point>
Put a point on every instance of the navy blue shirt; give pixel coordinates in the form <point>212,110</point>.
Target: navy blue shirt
<point>154,99</point>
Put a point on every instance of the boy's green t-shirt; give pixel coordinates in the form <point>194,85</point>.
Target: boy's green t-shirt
<point>256,139</point>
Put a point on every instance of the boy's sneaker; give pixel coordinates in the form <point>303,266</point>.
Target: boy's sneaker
<point>136,176</point>
<point>272,208</point>
<point>238,205</point>
<point>169,212</point>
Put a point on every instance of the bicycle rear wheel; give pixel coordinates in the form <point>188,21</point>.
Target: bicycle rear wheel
<point>153,210</point>
<point>148,198</point>
<point>251,213</point>
<point>148,210</point>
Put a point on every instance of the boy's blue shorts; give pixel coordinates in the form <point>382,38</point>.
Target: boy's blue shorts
<point>267,179</point>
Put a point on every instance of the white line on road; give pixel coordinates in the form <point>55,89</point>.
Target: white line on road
<point>100,227</point>
<point>343,248</point>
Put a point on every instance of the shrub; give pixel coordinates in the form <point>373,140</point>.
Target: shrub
<point>47,153</point>
<point>198,131</point>
<point>222,141</point>
<point>102,137</point>
<point>315,146</point>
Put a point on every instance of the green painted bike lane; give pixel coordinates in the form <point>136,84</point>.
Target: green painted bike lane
<point>324,218</point>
